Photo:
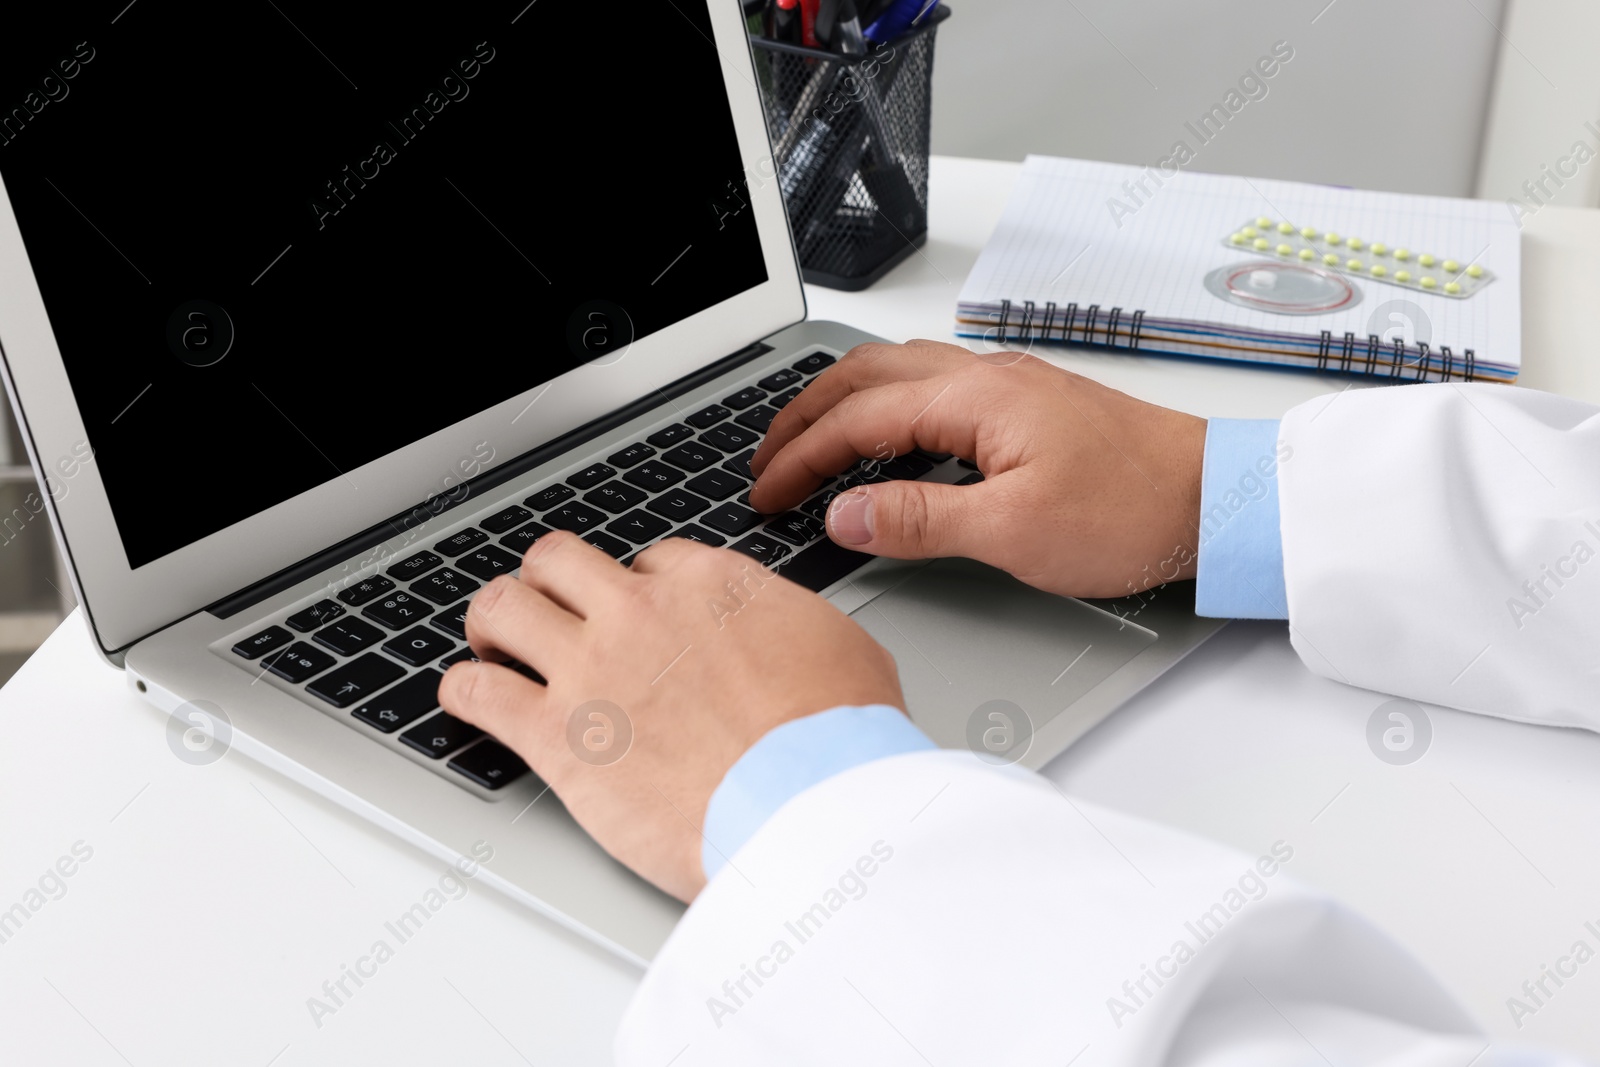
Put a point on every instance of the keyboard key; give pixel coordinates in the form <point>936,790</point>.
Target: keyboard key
<point>745,397</point>
<point>440,735</point>
<point>298,662</point>
<point>708,416</point>
<point>780,379</point>
<point>398,610</point>
<point>971,479</point>
<point>691,532</point>
<point>821,565</point>
<point>694,457</point>
<point>418,645</point>
<point>740,464</point>
<point>762,548</point>
<point>357,680</point>
<point>365,590</point>
<point>718,485</point>
<point>677,505</point>
<point>590,477</point>
<point>608,544</point>
<point>817,506</point>
<point>934,457</point>
<point>731,519</point>
<point>490,764</point>
<point>414,566</point>
<point>314,616</point>
<point>549,497</point>
<point>757,418</point>
<point>273,637</point>
<point>672,435</point>
<point>814,362</point>
<point>509,519</point>
<point>615,496</point>
<point>795,527</point>
<point>458,543</point>
<point>405,703</point>
<point>654,476</point>
<point>782,399</point>
<point>639,527</point>
<point>444,587</point>
<point>907,467</point>
<point>522,538</point>
<point>967,463</point>
<point>730,438</point>
<point>631,456</point>
<point>348,636</point>
<point>452,621</point>
<point>464,654</point>
<point>576,517</point>
<point>489,562</point>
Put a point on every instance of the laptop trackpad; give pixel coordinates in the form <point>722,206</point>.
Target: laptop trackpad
<point>965,634</point>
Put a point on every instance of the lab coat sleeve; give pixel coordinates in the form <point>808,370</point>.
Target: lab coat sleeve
<point>928,908</point>
<point>1442,543</point>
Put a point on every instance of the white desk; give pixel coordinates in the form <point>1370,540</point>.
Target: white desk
<point>218,899</point>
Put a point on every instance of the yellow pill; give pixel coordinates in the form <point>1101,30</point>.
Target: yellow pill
<point>1263,222</point>
<point>1475,271</point>
<point>1379,248</point>
<point>1402,254</point>
<point>1354,264</point>
<point>1355,244</point>
<point>1249,231</point>
<point>1284,227</point>
<point>1306,253</point>
<point>1331,260</point>
<point>1308,232</point>
<point>1379,270</point>
<point>1261,244</point>
<point>1402,276</point>
<point>1237,238</point>
<point>1426,260</point>
<point>1427,281</point>
<point>1332,238</point>
<point>1452,267</point>
<point>1284,250</point>
<point>1452,287</point>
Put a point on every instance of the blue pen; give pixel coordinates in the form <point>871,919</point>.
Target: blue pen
<point>901,16</point>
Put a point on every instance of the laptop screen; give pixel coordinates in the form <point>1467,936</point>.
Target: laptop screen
<point>279,240</point>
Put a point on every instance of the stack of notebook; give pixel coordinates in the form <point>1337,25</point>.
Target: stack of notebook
<point>1419,288</point>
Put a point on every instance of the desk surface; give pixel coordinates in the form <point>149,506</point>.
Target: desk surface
<point>218,899</point>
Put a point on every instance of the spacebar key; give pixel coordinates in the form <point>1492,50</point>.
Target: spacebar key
<point>821,565</point>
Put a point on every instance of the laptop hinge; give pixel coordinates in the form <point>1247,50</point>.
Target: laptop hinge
<point>352,546</point>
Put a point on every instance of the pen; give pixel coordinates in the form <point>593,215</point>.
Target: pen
<point>898,17</point>
<point>784,22</point>
<point>808,23</point>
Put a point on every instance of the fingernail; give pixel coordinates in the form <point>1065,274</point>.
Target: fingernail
<point>850,518</point>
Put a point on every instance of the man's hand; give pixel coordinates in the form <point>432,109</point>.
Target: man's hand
<point>1087,491</point>
<point>696,653</point>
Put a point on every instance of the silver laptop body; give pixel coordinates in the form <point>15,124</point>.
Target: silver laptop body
<point>299,629</point>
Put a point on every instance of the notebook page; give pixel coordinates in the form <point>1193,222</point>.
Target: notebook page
<point>1060,240</point>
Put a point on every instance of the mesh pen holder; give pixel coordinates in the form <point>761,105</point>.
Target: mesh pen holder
<point>850,140</point>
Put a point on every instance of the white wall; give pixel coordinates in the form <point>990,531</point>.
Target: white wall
<point>1383,94</point>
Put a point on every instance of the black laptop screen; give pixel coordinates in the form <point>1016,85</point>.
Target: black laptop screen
<point>277,240</point>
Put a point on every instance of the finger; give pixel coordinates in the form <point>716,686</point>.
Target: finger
<point>863,367</point>
<point>883,422</point>
<point>668,554</point>
<point>917,520</point>
<point>505,704</point>
<point>572,572</point>
<point>511,620</point>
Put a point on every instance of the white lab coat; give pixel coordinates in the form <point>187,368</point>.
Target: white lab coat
<point>930,909</point>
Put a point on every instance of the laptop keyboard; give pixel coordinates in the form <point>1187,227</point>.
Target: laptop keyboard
<point>378,647</point>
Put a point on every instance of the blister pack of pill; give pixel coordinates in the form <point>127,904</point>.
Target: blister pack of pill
<point>1426,272</point>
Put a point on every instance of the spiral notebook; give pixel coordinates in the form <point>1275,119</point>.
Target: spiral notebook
<point>1253,270</point>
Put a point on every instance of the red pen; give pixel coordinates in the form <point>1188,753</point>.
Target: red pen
<point>808,23</point>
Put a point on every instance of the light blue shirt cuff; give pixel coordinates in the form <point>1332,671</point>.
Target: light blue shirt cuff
<point>791,759</point>
<point>1240,571</point>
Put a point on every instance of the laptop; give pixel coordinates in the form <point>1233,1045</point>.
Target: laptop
<point>315,319</point>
